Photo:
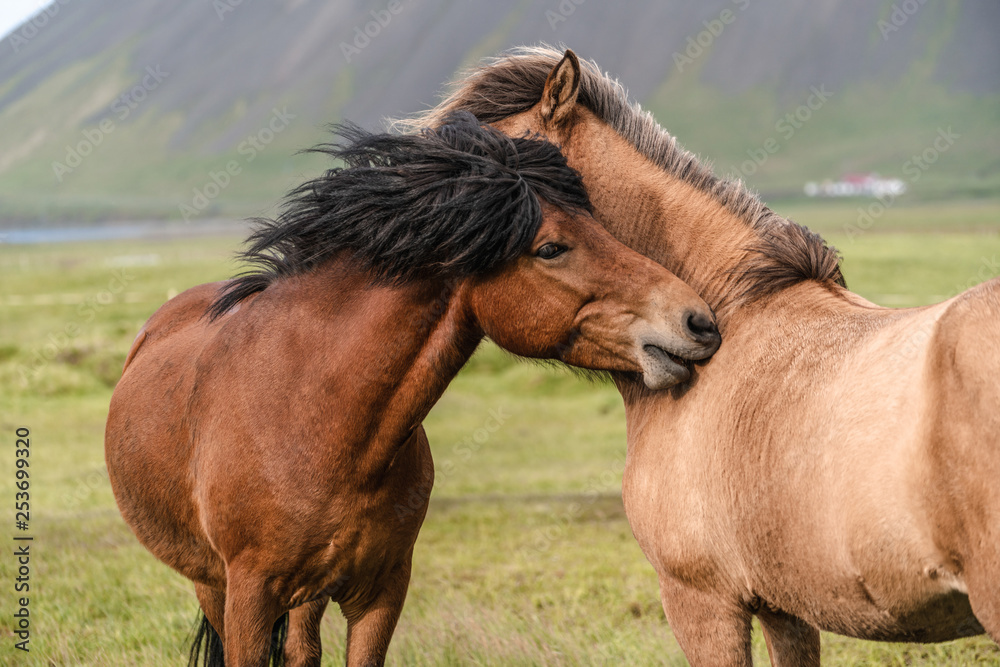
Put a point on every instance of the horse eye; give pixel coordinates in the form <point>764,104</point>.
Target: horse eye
<point>551,250</point>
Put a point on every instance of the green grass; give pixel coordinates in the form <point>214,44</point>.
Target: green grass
<point>526,557</point>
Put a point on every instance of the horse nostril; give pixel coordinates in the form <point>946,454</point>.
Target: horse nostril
<point>702,327</point>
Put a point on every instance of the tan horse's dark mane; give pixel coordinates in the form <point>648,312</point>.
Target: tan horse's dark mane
<point>784,254</point>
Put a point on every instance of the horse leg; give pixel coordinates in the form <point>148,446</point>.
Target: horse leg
<point>303,647</point>
<point>982,579</point>
<point>986,607</point>
<point>370,628</point>
<point>207,649</point>
<point>250,615</point>
<point>790,640</point>
<point>711,628</point>
<point>213,603</point>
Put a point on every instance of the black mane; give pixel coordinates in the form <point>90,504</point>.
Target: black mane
<point>450,202</point>
<point>785,253</point>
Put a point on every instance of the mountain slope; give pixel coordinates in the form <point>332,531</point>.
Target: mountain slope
<point>199,106</point>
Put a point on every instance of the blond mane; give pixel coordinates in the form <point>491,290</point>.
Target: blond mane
<point>786,253</point>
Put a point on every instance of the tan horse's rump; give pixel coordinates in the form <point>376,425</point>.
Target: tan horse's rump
<point>836,465</point>
<point>265,453</point>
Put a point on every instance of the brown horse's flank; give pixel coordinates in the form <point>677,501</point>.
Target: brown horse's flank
<point>835,465</point>
<point>267,430</point>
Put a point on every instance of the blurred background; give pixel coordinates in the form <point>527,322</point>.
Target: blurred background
<point>134,138</point>
<point>182,88</point>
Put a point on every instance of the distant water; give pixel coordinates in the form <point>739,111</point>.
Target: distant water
<point>73,234</point>
<point>112,233</point>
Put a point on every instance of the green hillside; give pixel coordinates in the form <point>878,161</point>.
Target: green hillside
<point>177,110</point>
<point>863,128</point>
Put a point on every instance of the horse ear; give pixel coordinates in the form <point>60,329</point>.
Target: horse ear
<point>561,89</point>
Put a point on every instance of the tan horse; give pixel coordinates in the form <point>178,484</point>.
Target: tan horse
<point>836,465</point>
<point>265,439</point>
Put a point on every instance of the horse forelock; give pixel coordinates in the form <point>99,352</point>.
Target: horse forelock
<point>451,202</point>
<point>785,253</point>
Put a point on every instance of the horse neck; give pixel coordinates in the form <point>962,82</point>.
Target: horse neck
<point>405,342</point>
<point>661,216</point>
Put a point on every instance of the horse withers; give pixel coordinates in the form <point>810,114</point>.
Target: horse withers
<point>266,429</point>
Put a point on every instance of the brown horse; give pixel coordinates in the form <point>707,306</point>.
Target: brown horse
<point>266,431</point>
<point>836,465</point>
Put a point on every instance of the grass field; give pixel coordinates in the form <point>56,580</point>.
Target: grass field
<point>519,562</point>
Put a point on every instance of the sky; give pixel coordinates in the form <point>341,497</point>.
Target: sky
<point>15,12</point>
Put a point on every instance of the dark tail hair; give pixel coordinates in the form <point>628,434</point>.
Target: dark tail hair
<point>206,649</point>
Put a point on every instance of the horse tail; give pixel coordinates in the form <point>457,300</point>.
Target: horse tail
<point>206,649</point>
<point>279,634</point>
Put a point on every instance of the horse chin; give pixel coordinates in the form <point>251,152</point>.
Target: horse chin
<point>661,369</point>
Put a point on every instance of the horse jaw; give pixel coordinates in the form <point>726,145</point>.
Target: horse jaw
<point>660,368</point>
